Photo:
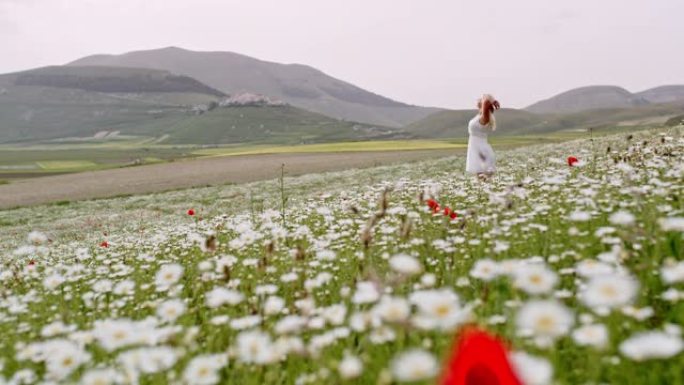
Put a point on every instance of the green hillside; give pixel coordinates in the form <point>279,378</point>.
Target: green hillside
<point>33,114</point>
<point>282,124</point>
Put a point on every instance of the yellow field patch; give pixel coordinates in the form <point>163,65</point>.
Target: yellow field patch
<point>65,164</point>
<point>389,145</point>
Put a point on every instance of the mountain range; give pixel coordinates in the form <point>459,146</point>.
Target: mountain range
<point>296,84</point>
<point>173,95</point>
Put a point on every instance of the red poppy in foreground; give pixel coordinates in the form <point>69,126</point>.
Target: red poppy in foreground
<point>104,244</point>
<point>572,160</point>
<point>479,358</point>
<point>191,212</point>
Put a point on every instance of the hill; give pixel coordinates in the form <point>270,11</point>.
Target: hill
<point>663,94</point>
<point>296,84</point>
<point>587,98</point>
<point>602,97</point>
<point>270,124</point>
<point>454,123</point>
<point>112,80</point>
<point>95,103</point>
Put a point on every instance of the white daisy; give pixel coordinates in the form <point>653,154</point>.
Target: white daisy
<point>609,291</point>
<point>405,264</point>
<point>531,370</point>
<point>203,370</point>
<point>547,319</point>
<point>651,345</point>
<point>350,367</point>
<point>414,365</point>
<point>220,296</point>
<point>672,272</point>
<point>672,223</point>
<point>622,218</point>
<point>595,335</point>
<point>485,269</point>
<point>393,309</point>
<point>168,275</point>
<point>255,347</point>
<point>171,309</point>
<point>366,292</point>
<point>439,308</point>
<point>535,279</point>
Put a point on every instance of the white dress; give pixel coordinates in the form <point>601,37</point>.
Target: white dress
<point>480,158</point>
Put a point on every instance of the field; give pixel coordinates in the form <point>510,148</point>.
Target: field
<point>94,170</point>
<point>356,276</point>
<point>207,171</point>
<point>26,161</point>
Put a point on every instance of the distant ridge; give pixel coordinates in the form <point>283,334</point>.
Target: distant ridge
<point>663,94</point>
<point>295,84</point>
<point>602,97</point>
<point>112,79</point>
<point>587,98</point>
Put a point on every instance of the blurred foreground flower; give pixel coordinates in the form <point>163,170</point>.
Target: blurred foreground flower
<point>479,358</point>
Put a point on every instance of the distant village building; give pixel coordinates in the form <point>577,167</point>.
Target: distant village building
<point>250,99</point>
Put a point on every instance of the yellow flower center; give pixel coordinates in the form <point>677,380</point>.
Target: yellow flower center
<point>442,310</point>
<point>536,279</point>
<point>545,323</point>
<point>609,291</point>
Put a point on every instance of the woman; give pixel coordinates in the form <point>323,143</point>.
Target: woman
<point>481,159</point>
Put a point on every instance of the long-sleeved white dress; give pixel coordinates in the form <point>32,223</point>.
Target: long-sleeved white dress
<point>481,157</point>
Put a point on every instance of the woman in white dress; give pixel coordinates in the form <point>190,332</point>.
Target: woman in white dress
<point>481,160</point>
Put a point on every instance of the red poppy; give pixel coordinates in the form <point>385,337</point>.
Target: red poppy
<point>572,160</point>
<point>104,244</point>
<point>191,212</point>
<point>453,215</point>
<point>432,203</point>
<point>447,211</point>
<point>479,358</point>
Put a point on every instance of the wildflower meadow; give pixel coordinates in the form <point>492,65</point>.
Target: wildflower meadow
<point>571,254</point>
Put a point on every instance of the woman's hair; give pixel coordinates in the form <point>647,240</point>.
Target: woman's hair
<point>492,119</point>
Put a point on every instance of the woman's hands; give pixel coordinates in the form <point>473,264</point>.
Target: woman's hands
<point>490,105</point>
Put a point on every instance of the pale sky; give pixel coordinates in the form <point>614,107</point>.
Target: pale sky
<point>441,53</point>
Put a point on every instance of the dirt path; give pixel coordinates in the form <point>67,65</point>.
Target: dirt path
<point>191,173</point>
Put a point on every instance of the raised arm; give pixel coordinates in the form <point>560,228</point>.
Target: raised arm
<point>487,107</point>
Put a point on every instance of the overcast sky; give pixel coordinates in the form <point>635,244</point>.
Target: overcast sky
<point>430,52</point>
